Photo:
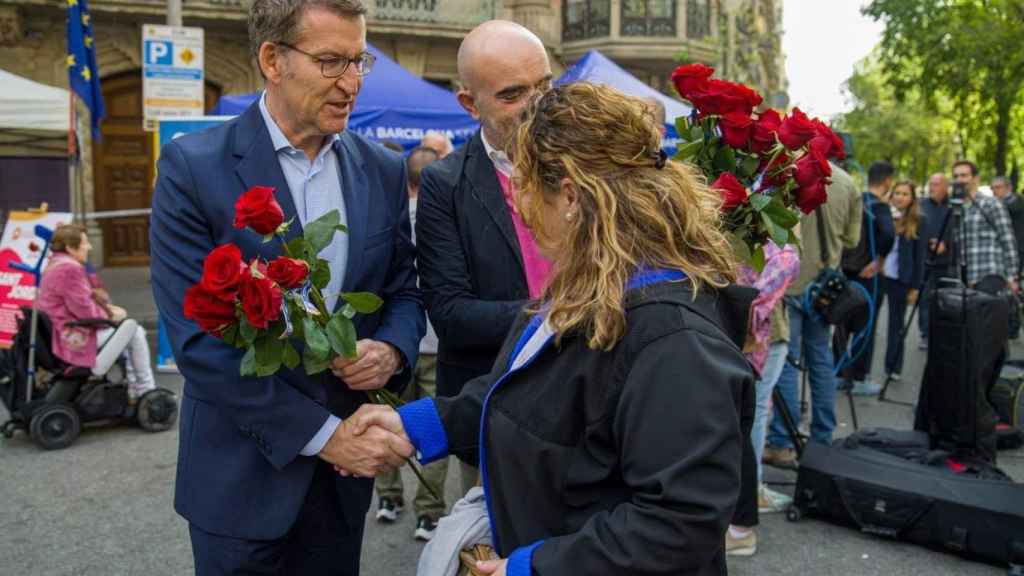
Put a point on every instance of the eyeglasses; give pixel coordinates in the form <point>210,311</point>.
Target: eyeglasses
<point>335,67</point>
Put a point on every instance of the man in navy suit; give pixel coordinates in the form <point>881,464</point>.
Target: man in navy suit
<point>256,478</point>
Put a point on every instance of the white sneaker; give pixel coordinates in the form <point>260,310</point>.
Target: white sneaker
<point>388,510</point>
<point>770,501</point>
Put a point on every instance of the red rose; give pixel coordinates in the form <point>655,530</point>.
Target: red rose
<point>827,142</point>
<point>797,130</point>
<point>721,97</point>
<point>733,193</point>
<point>765,130</point>
<point>257,209</point>
<point>288,272</point>
<point>812,175</point>
<point>209,311</point>
<point>691,79</point>
<point>261,300</point>
<point>736,128</point>
<point>222,272</point>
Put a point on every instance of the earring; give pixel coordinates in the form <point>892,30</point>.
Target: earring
<point>569,216</point>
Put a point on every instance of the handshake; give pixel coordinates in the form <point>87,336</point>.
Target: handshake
<point>369,442</point>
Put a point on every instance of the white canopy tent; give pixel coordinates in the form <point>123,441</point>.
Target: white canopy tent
<point>34,117</point>
<point>28,105</point>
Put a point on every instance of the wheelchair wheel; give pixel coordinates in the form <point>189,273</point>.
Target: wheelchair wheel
<point>55,426</point>
<point>157,410</point>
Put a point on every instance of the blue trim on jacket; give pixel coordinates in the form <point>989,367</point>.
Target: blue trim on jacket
<point>520,561</point>
<point>423,425</point>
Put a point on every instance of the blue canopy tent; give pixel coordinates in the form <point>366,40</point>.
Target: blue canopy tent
<point>394,104</point>
<point>597,68</point>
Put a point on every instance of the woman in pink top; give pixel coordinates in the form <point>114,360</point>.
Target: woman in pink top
<point>66,294</point>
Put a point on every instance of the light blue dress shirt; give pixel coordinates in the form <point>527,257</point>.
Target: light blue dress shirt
<point>316,190</point>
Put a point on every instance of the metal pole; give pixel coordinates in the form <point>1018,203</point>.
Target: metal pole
<point>174,13</point>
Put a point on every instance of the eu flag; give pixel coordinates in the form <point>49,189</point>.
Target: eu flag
<point>83,75</point>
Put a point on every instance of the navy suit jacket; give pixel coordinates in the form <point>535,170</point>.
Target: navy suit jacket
<point>240,473</point>
<point>470,262</point>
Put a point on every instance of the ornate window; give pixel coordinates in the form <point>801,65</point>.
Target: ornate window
<point>583,19</point>
<point>648,18</point>
<point>698,19</point>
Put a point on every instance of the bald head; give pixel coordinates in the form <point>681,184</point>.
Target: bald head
<point>938,187</point>
<point>437,142</point>
<point>495,41</point>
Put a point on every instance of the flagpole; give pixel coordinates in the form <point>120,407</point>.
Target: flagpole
<point>79,210</point>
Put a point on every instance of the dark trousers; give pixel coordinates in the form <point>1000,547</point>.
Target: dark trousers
<point>896,292</point>
<point>746,512</point>
<point>321,543</point>
<point>863,352</point>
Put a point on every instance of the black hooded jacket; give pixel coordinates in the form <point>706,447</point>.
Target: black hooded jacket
<point>622,462</point>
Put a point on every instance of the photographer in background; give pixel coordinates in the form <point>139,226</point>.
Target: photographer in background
<point>991,246</point>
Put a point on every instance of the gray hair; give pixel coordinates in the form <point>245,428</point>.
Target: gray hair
<point>1003,180</point>
<point>278,20</point>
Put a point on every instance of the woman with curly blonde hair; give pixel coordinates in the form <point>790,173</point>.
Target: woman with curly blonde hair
<point>608,433</point>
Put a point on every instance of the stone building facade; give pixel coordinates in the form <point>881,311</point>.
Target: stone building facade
<point>647,37</point>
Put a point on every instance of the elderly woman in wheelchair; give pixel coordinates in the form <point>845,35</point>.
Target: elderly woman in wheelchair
<point>85,332</point>
<point>83,339</point>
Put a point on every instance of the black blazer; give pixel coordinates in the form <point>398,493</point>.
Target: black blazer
<point>470,264</point>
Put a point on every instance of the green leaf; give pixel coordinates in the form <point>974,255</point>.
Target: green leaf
<point>246,330</point>
<point>341,228</point>
<point>342,334</point>
<point>314,364</point>
<point>757,259</point>
<point>689,150</point>
<point>320,232</point>
<point>778,233</point>
<point>363,302</point>
<point>348,311</point>
<point>759,201</point>
<point>248,367</point>
<point>696,134</point>
<point>268,355</point>
<point>230,335</point>
<point>290,358</point>
<point>793,238</point>
<point>682,126</point>
<point>739,247</point>
<point>321,276</point>
<point>316,341</point>
<point>781,215</point>
<point>725,159</point>
<point>299,248</point>
<point>748,166</point>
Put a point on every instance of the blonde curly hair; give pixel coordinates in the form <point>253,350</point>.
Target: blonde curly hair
<point>635,209</point>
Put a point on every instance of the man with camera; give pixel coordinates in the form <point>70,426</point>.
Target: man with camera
<point>991,248</point>
<point>824,234</point>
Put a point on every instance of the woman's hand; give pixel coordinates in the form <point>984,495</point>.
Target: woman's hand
<point>493,567</point>
<point>117,313</point>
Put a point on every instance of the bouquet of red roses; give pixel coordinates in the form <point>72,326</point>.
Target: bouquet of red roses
<point>765,166</point>
<point>263,306</point>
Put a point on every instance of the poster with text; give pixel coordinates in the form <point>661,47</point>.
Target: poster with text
<point>20,244</point>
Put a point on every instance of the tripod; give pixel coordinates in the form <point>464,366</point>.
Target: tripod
<point>955,206</point>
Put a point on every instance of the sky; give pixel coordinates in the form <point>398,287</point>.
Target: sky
<point>822,41</point>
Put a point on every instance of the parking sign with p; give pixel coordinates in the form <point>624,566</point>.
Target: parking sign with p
<point>159,52</point>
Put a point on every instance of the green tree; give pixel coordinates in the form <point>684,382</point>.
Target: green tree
<point>901,128</point>
<point>970,52</point>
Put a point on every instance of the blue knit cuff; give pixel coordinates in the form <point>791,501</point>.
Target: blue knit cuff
<point>521,559</point>
<point>423,425</point>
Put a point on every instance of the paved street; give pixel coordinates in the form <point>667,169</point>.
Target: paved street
<point>103,506</point>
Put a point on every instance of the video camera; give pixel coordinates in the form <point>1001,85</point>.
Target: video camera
<point>959,194</point>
